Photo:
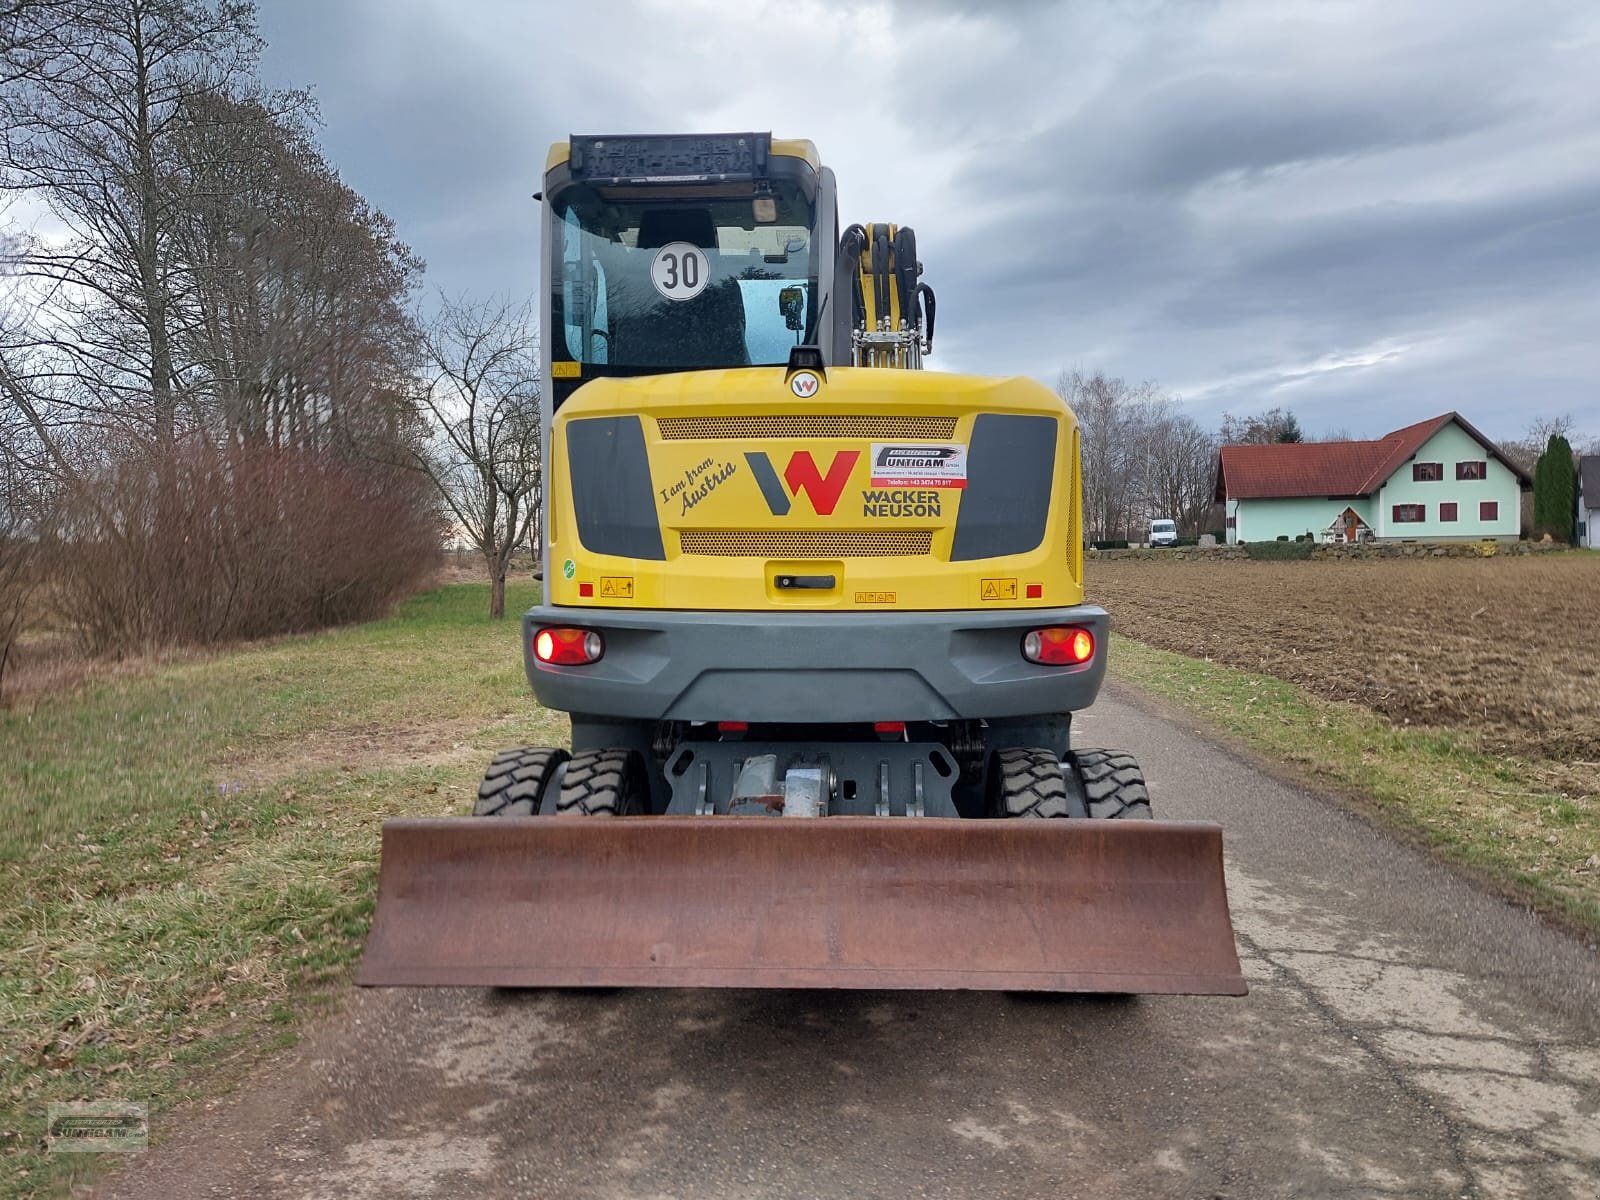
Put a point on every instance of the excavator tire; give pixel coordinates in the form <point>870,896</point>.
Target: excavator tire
<point>1028,783</point>
<point>1113,785</point>
<point>515,782</point>
<point>603,783</point>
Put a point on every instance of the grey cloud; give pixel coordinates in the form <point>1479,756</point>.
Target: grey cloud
<point>1196,129</point>
<point>1224,197</point>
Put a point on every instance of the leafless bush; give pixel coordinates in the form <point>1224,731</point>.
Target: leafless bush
<point>1142,457</point>
<point>26,508</point>
<point>209,544</point>
<point>482,402</point>
<point>19,578</point>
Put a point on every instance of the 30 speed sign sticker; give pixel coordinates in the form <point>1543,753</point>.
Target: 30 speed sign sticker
<point>680,271</point>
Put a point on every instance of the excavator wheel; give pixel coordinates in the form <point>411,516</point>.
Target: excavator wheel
<point>1028,783</point>
<point>604,783</point>
<point>515,782</point>
<point>1113,785</point>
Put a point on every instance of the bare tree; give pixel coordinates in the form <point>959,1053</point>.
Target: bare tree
<point>482,400</point>
<point>25,510</point>
<point>91,130</point>
<point>1525,450</point>
<point>27,28</point>
<point>1111,416</point>
<point>303,331</point>
<point>1274,425</point>
<point>213,359</point>
<point>1181,464</point>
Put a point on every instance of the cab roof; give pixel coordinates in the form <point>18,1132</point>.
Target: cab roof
<point>801,148</point>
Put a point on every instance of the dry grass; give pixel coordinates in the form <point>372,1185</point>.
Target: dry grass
<point>188,850</point>
<point>1498,815</point>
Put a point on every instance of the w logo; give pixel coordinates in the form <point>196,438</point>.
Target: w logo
<point>801,475</point>
<point>804,384</point>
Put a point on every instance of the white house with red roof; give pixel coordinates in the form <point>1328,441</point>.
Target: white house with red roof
<point>1437,480</point>
<point>1589,501</point>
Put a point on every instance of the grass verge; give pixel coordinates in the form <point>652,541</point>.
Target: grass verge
<point>188,856</point>
<point>1493,814</point>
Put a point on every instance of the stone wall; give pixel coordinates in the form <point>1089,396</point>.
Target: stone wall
<point>1365,550</point>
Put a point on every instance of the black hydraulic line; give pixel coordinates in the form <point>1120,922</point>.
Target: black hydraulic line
<point>905,263</point>
<point>880,268</point>
<point>851,243</point>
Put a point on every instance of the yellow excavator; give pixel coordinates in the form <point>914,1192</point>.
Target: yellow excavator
<point>818,618</point>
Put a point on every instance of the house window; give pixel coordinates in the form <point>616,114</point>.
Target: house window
<point>1472,470</point>
<point>1489,510</point>
<point>1427,472</point>
<point>1447,511</point>
<point>1233,522</point>
<point>1410,513</point>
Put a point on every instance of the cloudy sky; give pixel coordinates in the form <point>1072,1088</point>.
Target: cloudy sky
<point>1369,212</point>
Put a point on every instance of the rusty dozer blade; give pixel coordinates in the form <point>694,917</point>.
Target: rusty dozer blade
<point>833,902</point>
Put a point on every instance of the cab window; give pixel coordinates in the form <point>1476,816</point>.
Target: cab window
<point>683,283</point>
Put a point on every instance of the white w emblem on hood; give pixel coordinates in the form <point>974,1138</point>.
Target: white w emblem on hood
<point>804,384</point>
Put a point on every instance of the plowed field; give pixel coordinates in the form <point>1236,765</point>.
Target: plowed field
<point>1505,648</point>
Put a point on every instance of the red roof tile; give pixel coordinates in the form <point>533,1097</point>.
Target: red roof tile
<point>1340,469</point>
<point>1300,469</point>
<point>1403,443</point>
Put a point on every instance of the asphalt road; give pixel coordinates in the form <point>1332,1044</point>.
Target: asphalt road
<point>1406,1035</point>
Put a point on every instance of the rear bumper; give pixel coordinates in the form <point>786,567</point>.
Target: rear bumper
<point>815,667</point>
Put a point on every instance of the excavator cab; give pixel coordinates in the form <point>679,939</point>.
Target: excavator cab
<point>649,275</point>
<point>818,619</point>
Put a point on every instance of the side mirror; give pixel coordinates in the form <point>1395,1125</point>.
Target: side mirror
<point>792,304</point>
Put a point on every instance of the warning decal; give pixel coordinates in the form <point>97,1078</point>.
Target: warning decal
<point>618,587</point>
<point>919,466</point>
<point>999,589</point>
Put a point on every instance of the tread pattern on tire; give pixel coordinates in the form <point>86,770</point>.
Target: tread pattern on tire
<point>1113,785</point>
<point>602,783</point>
<point>515,781</point>
<point>1031,784</point>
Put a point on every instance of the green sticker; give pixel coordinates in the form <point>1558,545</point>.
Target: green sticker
<point>569,569</point>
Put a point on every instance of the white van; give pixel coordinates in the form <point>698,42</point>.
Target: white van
<point>1163,532</point>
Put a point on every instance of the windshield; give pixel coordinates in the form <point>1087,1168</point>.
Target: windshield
<point>678,283</point>
<point>1162,527</point>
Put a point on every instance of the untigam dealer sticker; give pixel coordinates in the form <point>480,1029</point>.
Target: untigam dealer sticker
<point>919,466</point>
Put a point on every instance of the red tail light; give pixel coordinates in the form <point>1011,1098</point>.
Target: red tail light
<point>566,647</point>
<point>1059,646</point>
